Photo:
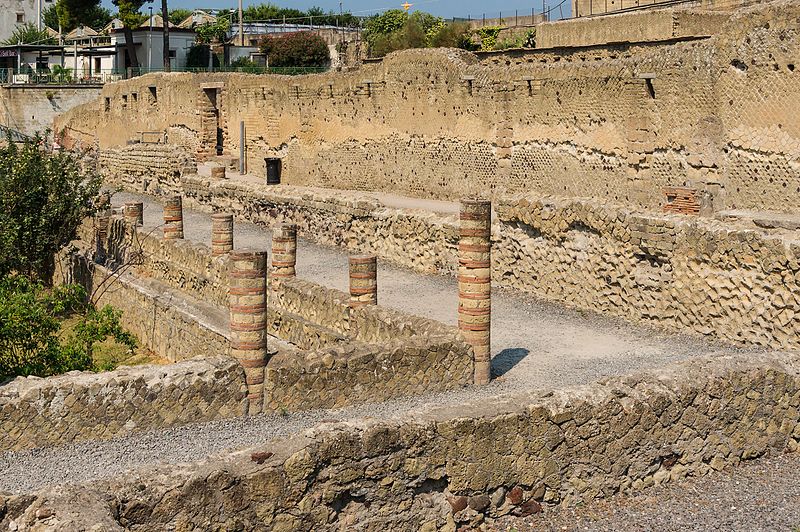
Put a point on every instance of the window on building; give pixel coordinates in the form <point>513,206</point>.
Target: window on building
<point>98,64</point>
<point>108,104</point>
<point>153,94</point>
<point>20,18</point>
<point>173,54</point>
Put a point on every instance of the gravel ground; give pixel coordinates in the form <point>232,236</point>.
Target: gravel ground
<point>536,346</point>
<point>534,343</point>
<point>763,495</point>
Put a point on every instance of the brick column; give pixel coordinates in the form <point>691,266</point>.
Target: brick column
<point>363,281</point>
<point>173,218</point>
<point>284,252</point>
<point>475,282</point>
<point>221,234</point>
<point>134,213</point>
<point>248,306</point>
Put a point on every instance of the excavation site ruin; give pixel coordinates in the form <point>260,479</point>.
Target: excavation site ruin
<point>438,291</point>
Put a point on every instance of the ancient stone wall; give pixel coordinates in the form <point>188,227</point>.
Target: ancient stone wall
<point>32,109</point>
<point>613,122</point>
<point>451,466</point>
<point>37,412</point>
<point>733,279</point>
<point>173,295</point>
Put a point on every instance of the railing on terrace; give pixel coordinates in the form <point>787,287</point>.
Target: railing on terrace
<point>11,76</point>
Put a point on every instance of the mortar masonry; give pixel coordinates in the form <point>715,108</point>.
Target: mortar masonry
<point>617,122</point>
<point>732,280</point>
<point>450,466</point>
<point>36,412</point>
<point>172,292</point>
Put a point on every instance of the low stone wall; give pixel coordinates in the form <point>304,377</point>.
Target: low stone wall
<point>174,299</point>
<point>385,354</point>
<point>37,412</point>
<point>181,264</point>
<point>356,372</point>
<point>417,239</point>
<point>732,281</point>
<point>167,323</point>
<point>452,466</point>
<point>148,162</point>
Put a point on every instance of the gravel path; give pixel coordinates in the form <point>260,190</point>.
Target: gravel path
<point>763,495</point>
<point>536,346</point>
<point>534,343</point>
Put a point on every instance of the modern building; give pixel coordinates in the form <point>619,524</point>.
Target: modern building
<point>148,41</point>
<point>14,13</point>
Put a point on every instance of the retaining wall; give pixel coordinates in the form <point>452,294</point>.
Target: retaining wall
<point>77,406</point>
<point>173,295</point>
<point>617,122</point>
<point>451,466</point>
<point>733,279</point>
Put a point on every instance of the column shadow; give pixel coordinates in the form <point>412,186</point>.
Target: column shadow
<point>506,359</point>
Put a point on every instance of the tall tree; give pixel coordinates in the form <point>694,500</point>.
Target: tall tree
<point>165,20</point>
<point>131,17</point>
<point>73,13</point>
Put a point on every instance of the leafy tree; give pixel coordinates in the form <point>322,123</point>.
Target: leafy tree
<point>384,24</point>
<point>396,30</point>
<point>298,49</point>
<point>213,31</point>
<point>28,34</point>
<point>176,16</point>
<point>69,14</point>
<point>43,198</point>
<point>31,318</point>
<point>314,15</point>
<point>454,35</point>
<point>131,17</point>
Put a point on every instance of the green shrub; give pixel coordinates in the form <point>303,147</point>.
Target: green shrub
<point>396,30</point>
<point>247,65</point>
<point>31,339</point>
<point>488,36</point>
<point>297,49</point>
<point>43,198</point>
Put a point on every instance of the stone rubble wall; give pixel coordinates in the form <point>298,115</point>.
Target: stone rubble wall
<point>446,467</point>
<point>169,323</point>
<point>731,279</point>
<point>172,300</point>
<point>739,283</point>
<point>356,372</point>
<point>79,406</point>
<point>617,122</point>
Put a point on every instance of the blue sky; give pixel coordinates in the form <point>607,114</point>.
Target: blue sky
<point>444,8</point>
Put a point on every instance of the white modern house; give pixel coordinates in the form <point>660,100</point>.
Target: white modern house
<point>149,44</point>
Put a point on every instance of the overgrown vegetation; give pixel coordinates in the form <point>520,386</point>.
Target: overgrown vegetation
<point>43,198</point>
<point>32,341</point>
<point>213,31</point>
<point>396,30</point>
<point>314,15</point>
<point>299,49</point>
